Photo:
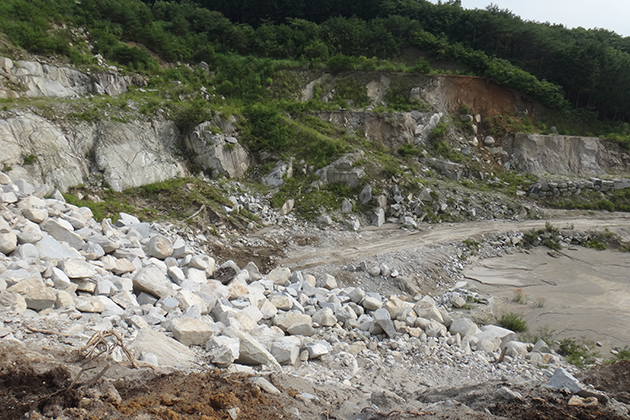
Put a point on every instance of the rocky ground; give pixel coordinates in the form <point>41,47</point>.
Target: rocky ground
<point>141,321</point>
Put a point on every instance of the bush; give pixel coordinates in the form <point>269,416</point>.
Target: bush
<point>513,322</point>
<point>577,354</point>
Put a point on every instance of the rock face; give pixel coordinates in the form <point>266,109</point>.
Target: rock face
<point>124,154</point>
<point>563,155</point>
<point>38,79</point>
<point>342,171</point>
<point>218,152</point>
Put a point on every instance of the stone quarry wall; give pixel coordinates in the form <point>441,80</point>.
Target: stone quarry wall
<point>563,155</point>
<point>30,79</point>
<point>125,155</point>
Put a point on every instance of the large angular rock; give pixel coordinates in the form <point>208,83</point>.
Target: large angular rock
<point>62,233</point>
<point>279,275</point>
<point>251,352</point>
<point>325,317</point>
<point>8,242</point>
<point>169,352</point>
<point>499,336</point>
<point>91,304</point>
<point>427,308</point>
<point>218,153</point>
<point>383,319</point>
<point>294,321</point>
<point>342,171</point>
<point>563,379</point>
<point>371,303</point>
<point>327,282</point>
<point>77,269</point>
<point>464,326</point>
<point>254,273</point>
<point>51,248</point>
<point>151,279</point>
<point>159,247</point>
<point>286,350</point>
<point>223,350</point>
<point>191,332</point>
<point>36,294</point>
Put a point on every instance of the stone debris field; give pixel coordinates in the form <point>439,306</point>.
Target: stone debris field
<point>129,320</point>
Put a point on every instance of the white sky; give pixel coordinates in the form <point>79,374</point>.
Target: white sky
<point>613,15</point>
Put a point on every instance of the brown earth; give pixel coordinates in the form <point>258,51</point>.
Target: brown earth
<point>30,383</point>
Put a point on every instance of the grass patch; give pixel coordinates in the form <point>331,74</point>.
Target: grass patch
<point>513,322</point>
<point>309,201</point>
<point>577,354</point>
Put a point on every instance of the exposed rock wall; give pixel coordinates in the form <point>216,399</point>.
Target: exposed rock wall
<point>563,155</point>
<point>125,154</point>
<point>33,79</point>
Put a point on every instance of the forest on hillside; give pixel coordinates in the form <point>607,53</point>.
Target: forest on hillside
<point>244,41</point>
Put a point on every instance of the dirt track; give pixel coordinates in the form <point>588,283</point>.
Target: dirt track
<point>388,238</point>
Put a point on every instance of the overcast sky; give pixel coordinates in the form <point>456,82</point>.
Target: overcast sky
<point>613,15</point>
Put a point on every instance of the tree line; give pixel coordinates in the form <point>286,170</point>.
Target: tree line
<point>586,69</point>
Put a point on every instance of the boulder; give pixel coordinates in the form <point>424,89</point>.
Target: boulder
<point>35,293</point>
<point>384,320</point>
<point>251,352</point>
<point>8,242</point>
<point>223,350</point>
<point>77,269</point>
<point>191,332</point>
<point>217,153</point>
<point>286,350</point>
<point>325,317</point>
<point>279,275</point>
<point>61,233</point>
<point>464,327</point>
<point>169,352</point>
<point>151,279</point>
<point>159,247</point>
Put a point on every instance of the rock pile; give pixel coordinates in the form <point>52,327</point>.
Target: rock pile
<point>58,261</point>
<point>542,189</point>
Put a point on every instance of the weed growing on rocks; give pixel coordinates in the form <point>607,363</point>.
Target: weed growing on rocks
<point>577,354</point>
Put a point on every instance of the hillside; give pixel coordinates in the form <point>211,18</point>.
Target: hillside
<point>309,210</point>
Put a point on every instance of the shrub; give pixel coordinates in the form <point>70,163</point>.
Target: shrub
<point>513,322</point>
<point>577,354</point>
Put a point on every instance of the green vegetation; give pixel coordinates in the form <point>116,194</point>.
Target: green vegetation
<point>618,200</point>
<point>577,354</point>
<point>29,159</point>
<point>561,68</point>
<point>471,243</point>
<point>311,202</point>
<point>177,199</point>
<point>623,354</point>
<point>513,322</point>
<point>548,237</point>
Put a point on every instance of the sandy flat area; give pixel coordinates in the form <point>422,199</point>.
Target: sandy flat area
<point>578,293</point>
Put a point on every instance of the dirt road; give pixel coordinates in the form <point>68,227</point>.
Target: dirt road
<point>372,241</point>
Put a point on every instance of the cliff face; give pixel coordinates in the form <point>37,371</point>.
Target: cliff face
<point>31,79</point>
<point>564,155</point>
<point>125,155</point>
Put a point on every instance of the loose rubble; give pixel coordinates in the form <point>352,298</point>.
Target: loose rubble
<point>175,307</point>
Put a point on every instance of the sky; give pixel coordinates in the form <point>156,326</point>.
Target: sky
<point>613,15</point>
